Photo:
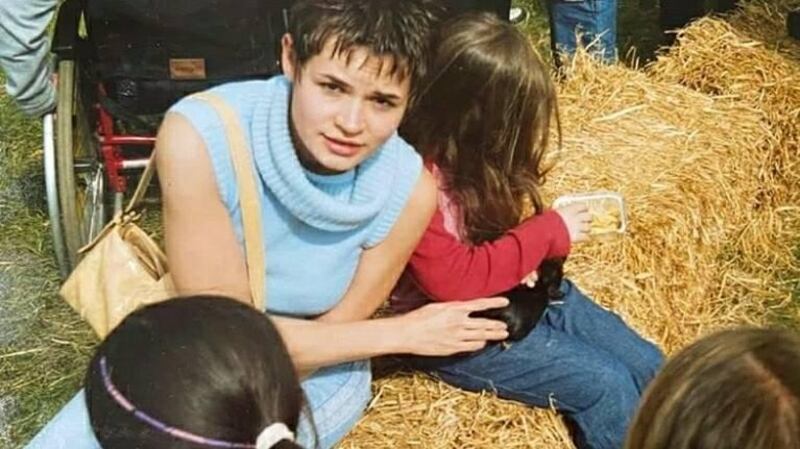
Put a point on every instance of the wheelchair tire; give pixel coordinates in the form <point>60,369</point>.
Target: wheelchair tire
<point>51,189</point>
<point>80,179</point>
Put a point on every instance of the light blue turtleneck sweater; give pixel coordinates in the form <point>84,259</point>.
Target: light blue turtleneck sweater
<point>315,226</point>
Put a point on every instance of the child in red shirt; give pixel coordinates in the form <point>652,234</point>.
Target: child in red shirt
<point>483,125</point>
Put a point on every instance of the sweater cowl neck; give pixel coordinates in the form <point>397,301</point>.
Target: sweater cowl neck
<point>296,188</point>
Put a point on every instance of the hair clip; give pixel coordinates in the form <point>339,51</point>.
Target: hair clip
<point>273,433</point>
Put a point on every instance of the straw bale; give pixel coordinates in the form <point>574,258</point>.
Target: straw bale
<point>410,410</point>
<point>748,57</point>
<point>766,22</point>
<point>712,220</point>
<point>685,163</point>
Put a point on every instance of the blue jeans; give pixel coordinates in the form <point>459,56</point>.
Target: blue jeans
<point>580,357</point>
<point>336,395</point>
<point>593,19</point>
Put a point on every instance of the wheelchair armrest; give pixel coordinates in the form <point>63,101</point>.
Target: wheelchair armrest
<point>65,38</point>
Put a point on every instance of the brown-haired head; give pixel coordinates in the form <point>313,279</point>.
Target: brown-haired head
<point>734,389</point>
<point>484,118</point>
<point>397,31</point>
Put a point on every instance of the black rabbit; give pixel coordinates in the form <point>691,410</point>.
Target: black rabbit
<point>527,304</point>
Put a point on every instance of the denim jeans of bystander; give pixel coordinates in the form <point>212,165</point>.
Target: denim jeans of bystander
<point>592,23</point>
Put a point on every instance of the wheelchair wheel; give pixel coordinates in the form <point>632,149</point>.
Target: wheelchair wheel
<point>79,176</point>
<point>51,188</point>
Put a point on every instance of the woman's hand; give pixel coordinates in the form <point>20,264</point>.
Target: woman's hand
<point>440,329</point>
<point>577,218</point>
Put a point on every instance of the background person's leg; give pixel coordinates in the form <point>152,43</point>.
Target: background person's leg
<point>592,387</point>
<point>595,20</point>
<point>499,7</point>
<point>676,14</point>
<point>726,5</point>
<point>502,8</point>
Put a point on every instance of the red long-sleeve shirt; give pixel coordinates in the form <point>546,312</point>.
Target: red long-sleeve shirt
<point>444,268</point>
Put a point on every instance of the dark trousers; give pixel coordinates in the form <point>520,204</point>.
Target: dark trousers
<point>499,7</point>
<point>677,13</point>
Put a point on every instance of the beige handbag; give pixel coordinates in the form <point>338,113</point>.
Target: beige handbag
<point>123,268</point>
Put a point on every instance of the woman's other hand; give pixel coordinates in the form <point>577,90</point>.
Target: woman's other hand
<point>441,329</point>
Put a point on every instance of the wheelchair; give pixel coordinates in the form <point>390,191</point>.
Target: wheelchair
<point>120,65</point>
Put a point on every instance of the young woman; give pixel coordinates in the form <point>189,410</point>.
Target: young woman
<point>482,127</point>
<point>343,200</point>
<point>738,388</point>
<point>194,372</point>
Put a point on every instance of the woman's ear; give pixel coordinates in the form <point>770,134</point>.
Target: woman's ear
<point>288,56</point>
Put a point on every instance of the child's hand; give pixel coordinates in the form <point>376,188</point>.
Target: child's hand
<point>530,280</point>
<point>577,218</point>
<point>441,329</point>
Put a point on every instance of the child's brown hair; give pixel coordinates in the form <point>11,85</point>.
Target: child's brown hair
<point>484,119</point>
<point>734,389</point>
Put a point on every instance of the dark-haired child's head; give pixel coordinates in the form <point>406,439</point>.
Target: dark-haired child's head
<point>199,367</point>
<point>734,389</point>
<point>484,118</point>
<point>355,66</point>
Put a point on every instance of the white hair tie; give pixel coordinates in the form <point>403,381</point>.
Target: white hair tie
<point>272,434</point>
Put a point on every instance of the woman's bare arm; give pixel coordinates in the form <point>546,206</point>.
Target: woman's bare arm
<point>437,329</point>
<point>205,258</point>
<point>381,266</point>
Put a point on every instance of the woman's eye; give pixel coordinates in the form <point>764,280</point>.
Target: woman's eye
<point>384,104</point>
<point>331,87</point>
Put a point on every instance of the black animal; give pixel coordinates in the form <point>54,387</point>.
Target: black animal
<point>527,304</point>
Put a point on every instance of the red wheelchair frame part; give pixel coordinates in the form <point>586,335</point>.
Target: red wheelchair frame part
<point>111,150</point>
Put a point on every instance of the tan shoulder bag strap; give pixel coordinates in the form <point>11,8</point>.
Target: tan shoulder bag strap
<point>144,181</point>
<point>248,196</point>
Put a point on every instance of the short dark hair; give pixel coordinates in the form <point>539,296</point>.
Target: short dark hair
<point>398,29</point>
<point>208,365</point>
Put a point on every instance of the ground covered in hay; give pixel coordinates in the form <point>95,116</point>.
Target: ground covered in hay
<point>703,145</point>
<point>43,345</point>
<point>703,142</point>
